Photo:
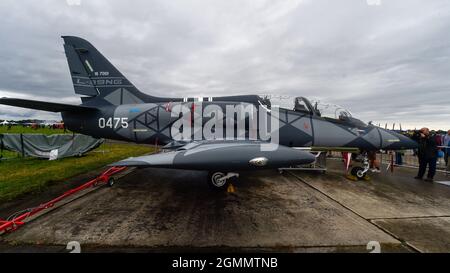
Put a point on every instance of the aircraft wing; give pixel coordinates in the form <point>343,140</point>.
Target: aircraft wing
<point>45,106</point>
<point>223,156</point>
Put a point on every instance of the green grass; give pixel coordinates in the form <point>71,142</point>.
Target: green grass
<point>8,154</point>
<point>24,175</point>
<point>17,129</point>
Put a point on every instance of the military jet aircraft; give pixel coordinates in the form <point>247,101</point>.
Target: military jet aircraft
<point>112,107</point>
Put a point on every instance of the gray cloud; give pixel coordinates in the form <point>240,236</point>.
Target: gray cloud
<point>387,63</point>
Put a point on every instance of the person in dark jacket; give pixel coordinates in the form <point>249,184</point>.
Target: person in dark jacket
<point>446,144</point>
<point>427,154</point>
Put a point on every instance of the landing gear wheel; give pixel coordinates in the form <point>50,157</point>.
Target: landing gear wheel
<point>111,181</point>
<point>214,181</point>
<point>358,172</point>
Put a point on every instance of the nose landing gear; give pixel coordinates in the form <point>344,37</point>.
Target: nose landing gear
<point>361,172</point>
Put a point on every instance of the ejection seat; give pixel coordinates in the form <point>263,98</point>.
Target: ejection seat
<point>301,106</point>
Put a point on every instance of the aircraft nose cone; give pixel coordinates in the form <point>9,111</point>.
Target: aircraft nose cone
<point>403,143</point>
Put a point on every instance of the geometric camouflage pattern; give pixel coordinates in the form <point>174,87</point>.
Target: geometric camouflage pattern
<point>150,122</point>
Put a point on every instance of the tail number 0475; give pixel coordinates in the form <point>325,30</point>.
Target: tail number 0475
<point>113,123</point>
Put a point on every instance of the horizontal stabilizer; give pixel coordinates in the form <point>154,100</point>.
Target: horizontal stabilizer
<point>45,106</point>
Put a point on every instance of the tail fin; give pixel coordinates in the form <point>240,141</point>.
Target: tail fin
<point>95,77</point>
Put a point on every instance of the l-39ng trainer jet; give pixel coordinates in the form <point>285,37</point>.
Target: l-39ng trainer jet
<point>221,135</point>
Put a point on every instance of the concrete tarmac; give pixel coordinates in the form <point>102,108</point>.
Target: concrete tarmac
<point>174,210</point>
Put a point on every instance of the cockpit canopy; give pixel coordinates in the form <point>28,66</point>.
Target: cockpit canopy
<point>332,112</point>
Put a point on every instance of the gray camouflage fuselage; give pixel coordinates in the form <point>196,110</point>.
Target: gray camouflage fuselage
<point>151,123</point>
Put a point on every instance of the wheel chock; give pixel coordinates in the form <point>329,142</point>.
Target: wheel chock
<point>351,177</point>
<point>230,188</point>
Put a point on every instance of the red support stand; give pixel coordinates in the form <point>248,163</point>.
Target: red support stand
<point>10,225</point>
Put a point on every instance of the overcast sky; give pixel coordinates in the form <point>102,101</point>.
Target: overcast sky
<point>385,60</point>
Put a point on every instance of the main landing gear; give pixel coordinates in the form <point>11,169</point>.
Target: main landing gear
<point>220,180</point>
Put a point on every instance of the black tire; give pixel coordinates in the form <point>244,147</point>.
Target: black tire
<point>357,171</point>
<point>214,184</point>
<point>111,181</point>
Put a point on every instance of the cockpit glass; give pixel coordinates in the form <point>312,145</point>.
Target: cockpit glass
<point>281,101</point>
<point>299,104</point>
<point>328,110</point>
